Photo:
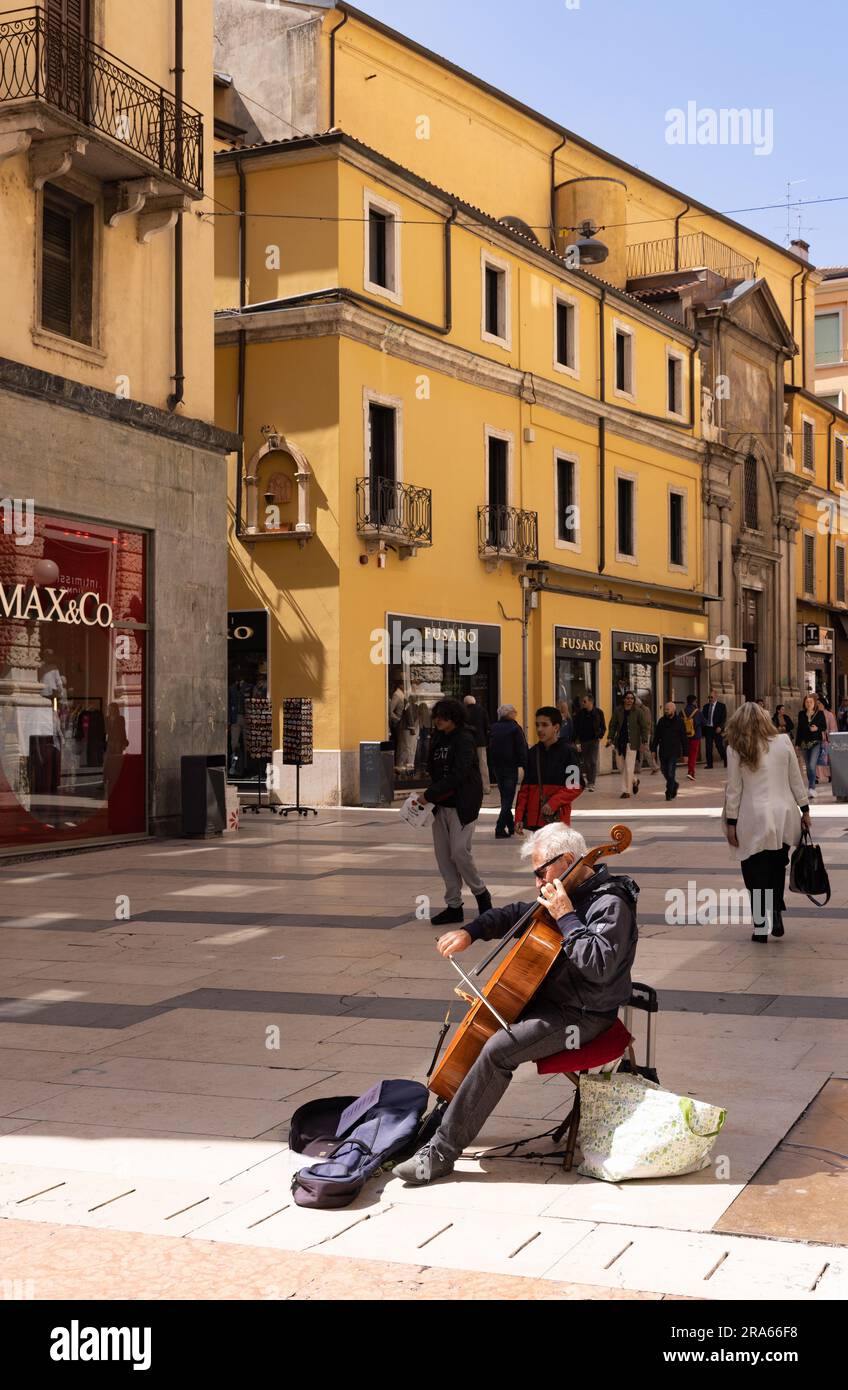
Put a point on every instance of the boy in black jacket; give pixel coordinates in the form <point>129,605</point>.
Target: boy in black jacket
<point>589,728</point>
<point>456,793</point>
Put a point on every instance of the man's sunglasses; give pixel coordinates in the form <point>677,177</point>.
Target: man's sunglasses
<point>543,868</point>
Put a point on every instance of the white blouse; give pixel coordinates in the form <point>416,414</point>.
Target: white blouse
<point>765,801</point>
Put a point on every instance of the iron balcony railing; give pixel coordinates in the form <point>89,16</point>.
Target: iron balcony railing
<point>694,251</point>
<point>44,59</point>
<point>394,511</point>
<point>508,531</point>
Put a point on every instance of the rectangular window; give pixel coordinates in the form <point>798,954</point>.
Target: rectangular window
<point>839,458</point>
<point>568,529</point>
<point>840,574</point>
<point>565,353</point>
<point>809,564</point>
<point>498,491</point>
<point>623,362</point>
<point>626,529</point>
<point>382,247</point>
<point>675,384</point>
<point>382,435</point>
<point>675,529</point>
<point>835,399</point>
<point>67,265</point>
<point>809,457</point>
<point>828,335</point>
<point>751,494</point>
<point>495,302</point>
<point>378,228</point>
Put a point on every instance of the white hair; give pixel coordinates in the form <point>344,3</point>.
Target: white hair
<point>469,700</point>
<point>504,710</point>
<point>554,839</point>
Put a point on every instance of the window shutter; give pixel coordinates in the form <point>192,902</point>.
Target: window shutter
<point>809,565</point>
<point>840,459</point>
<point>809,454</point>
<point>57,271</point>
<point>840,574</point>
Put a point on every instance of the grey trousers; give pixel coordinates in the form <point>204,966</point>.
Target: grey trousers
<point>548,1030</point>
<point>452,843</point>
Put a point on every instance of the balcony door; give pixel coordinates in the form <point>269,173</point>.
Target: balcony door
<point>498,496</point>
<point>383,499</point>
<point>66,55</point>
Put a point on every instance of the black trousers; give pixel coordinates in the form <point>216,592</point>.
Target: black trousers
<point>764,875</point>
<point>712,735</point>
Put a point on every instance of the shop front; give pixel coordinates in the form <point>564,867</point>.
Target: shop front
<point>247,676</point>
<point>818,661</point>
<point>74,626</point>
<point>681,670</point>
<point>635,666</point>
<point>430,659</point>
<point>577,654</point>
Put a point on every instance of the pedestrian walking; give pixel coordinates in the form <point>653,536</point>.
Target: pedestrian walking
<point>715,718</point>
<point>644,759</point>
<point>809,738</point>
<point>478,721</point>
<point>763,798</point>
<point>566,728</point>
<point>782,721</point>
<point>554,776</point>
<point>693,723</point>
<point>669,744</point>
<point>456,794</point>
<point>509,759</point>
<point>629,730</point>
<point>842,716</point>
<point>590,726</point>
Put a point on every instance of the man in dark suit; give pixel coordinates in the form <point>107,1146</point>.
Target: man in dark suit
<point>715,718</point>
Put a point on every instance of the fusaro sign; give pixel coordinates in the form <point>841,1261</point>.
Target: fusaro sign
<point>48,606</point>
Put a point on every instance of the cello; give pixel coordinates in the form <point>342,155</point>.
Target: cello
<point>512,985</point>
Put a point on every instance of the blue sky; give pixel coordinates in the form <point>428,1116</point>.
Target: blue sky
<point>610,70</point>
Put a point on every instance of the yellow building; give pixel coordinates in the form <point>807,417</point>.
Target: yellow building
<point>112,476</point>
<point>573,470</point>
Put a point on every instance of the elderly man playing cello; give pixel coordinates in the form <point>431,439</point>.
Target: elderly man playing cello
<point>578,999</point>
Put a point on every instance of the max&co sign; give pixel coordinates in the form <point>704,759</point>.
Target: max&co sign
<point>50,606</point>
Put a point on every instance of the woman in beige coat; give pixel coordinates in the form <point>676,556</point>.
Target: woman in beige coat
<point>763,797</point>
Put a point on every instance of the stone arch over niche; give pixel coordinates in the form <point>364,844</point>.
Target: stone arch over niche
<point>283,471</point>
<point>756,552</point>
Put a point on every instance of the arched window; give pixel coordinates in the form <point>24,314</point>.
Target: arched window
<point>751,499</point>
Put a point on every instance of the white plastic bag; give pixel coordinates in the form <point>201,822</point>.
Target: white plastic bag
<point>632,1128</point>
<point>414,812</point>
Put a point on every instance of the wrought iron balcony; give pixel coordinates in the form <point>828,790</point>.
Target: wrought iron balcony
<point>394,512</point>
<point>46,62</point>
<point>507,531</point>
<point>693,251</point>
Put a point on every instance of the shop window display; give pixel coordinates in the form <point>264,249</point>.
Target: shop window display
<point>73,635</point>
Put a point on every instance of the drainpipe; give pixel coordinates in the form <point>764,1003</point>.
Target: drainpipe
<point>563,142</point>
<point>792,316</point>
<point>242,336</point>
<point>677,235</point>
<point>177,396</point>
<point>804,330</point>
<point>602,436</point>
<point>333,33</point>
<point>829,531</point>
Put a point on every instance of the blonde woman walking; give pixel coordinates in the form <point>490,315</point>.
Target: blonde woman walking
<point>763,797</point>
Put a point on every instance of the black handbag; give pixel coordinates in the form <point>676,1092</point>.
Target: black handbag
<point>807,873</point>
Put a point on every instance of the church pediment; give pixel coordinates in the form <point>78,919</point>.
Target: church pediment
<point>753,307</point>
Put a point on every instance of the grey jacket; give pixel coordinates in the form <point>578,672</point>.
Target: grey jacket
<point>592,973</point>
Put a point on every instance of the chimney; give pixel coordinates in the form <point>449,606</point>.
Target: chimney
<point>801,248</point>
